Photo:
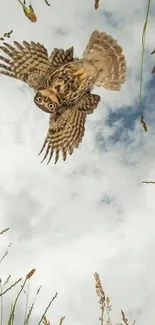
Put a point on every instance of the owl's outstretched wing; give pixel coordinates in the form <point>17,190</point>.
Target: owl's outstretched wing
<point>66,132</point>
<point>108,60</point>
<point>30,62</point>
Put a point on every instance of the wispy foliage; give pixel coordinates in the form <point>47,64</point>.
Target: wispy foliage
<point>104,301</point>
<point>105,304</point>
<point>5,287</point>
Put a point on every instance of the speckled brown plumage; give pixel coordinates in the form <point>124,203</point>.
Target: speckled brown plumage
<point>30,62</point>
<point>63,84</point>
<point>67,129</point>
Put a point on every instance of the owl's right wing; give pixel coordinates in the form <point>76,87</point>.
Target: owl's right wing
<point>67,130</point>
<point>30,62</point>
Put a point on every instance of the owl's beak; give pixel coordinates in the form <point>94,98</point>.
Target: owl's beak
<point>45,110</point>
<point>42,108</point>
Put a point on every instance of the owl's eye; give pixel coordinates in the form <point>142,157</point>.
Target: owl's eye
<point>51,105</point>
<point>39,99</point>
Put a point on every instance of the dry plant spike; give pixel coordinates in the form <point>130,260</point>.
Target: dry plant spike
<point>45,321</point>
<point>61,320</point>
<point>105,303</point>
<point>30,14</point>
<point>98,286</point>
<point>125,320</point>
<point>108,322</point>
<point>108,304</point>
<point>148,182</point>
<point>153,70</point>
<point>143,123</point>
<point>28,11</point>
<point>100,293</point>
<point>96,5</point>
<point>28,276</point>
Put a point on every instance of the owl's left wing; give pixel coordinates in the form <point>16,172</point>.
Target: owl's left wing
<point>66,132</point>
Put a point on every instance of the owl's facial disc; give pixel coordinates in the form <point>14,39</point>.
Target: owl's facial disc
<point>44,103</point>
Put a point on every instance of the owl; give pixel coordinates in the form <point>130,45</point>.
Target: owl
<point>63,84</point>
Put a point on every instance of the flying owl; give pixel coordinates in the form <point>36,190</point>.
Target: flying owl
<point>63,84</point>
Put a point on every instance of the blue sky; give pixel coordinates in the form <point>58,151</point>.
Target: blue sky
<point>91,213</point>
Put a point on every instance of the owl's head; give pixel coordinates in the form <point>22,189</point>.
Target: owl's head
<point>46,101</point>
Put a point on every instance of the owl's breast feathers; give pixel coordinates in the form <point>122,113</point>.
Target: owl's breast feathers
<point>70,82</point>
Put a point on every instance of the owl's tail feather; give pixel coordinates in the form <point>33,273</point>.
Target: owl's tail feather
<point>105,54</point>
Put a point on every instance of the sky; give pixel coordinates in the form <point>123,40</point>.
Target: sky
<point>91,213</point>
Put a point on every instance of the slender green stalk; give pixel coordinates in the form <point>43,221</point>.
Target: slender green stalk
<point>47,308</point>
<point>2,286</point>
<point>22,4</point>
<point>12,313</point>
<point>10,317</point>
<point>1,303</point>
<point>2,293</point>
<point>26,322</point>
<point>142,63</point>
<point>26,307</point>
<point>6,253</point>
<point>6,281</point>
